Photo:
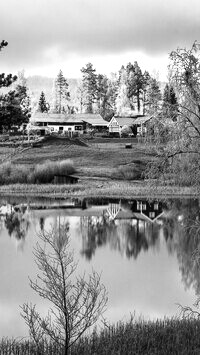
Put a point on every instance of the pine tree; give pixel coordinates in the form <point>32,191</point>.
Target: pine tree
<point>61,93</point>
<point>134,82</point>
<point>146,83</point>
<point>42,104</point>
<point>89,86</point>
<point>154,97</point>
<point>169,107</point>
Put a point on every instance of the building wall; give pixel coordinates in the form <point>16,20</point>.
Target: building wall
<point>63,127</point>
<point>69,128</point>
<point>114,126</point>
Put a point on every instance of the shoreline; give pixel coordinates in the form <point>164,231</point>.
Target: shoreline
<point>102,189</point>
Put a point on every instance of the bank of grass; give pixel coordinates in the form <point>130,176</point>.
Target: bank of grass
<point>163,337</point>
<point>98,188</point>
<point>38,173</point>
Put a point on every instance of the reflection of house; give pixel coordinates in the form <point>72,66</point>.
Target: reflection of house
<point>150,210</point>
<point>116,211</point>
<point>65,123</point>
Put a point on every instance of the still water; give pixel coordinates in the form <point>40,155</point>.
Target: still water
<point>143,250</point>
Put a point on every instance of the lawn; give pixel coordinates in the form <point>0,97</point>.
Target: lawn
<point>99,158</point>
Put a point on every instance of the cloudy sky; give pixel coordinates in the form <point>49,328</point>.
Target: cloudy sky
<point>47,35</point>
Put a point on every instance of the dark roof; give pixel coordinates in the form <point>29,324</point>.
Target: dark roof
<point>93,119</point>
<point>142,119</point>
<point>124,121</point>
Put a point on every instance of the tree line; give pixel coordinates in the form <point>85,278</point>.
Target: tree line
<point>124,93</point>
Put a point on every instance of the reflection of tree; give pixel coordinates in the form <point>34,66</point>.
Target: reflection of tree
<point>17,224</point>
<point>93,231</point>
<point>41,221</point>
<point>185,228</point>
<point>129,237</point>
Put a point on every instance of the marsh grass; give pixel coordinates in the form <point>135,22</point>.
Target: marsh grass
<point>163,337</point>
<point>39,173</point>
<point>44,173</point>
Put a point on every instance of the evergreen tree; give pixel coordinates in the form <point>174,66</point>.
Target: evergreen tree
<point>169,107</point>
<point>6,80</point>
<point>42,104</point>
<point>61,93</point>
<point>154,97</point>
<point>134,82</point>
<point>104,92</point>
<point>146,83</point>
<point>89,86</point>
<point>11,112</point>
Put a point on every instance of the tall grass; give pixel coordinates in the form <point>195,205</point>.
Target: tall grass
<point>163,337</point>
<point>44,173</point>
<point>39,173</point>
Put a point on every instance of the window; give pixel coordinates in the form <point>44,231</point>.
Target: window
<point>61,128</point>
<point>144,206</point>
<point>78,128</point>
<point>156,206</point>
<point>152,214</point>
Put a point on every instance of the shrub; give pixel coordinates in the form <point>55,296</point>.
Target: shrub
<point>44,173</point>
<point>129,172</point>
<point>41,173</point>
<point>11,173</point>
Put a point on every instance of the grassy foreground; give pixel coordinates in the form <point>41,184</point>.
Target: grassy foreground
<point>105,169</point>
<point>163,337</point>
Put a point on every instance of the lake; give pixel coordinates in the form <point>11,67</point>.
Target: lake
<point>143,250</point>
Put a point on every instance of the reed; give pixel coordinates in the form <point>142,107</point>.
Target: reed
<point>39,173</point>
<point>163,337</point>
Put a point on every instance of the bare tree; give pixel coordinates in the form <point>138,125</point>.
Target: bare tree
<point>178,157</point>
<point>77,302</point>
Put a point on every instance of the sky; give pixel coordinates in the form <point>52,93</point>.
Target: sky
<point>45,36</point>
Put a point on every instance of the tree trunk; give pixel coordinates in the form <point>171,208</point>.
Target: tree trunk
<point>138,100</point>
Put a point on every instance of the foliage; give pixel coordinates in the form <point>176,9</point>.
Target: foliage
<point>153,97</point>
<point>43,106</point>
<point>6,80</point>
<point>77,302</point>
<point>170,103</point>
<point>134,82</point>
<point>12,113</point>
<point>44,173</point>
<point>125,131</point>
<point>90,86</point>
<point>61,93</point>
<point>40,173</point>
<point>15,105</point>
<point>178,160</point>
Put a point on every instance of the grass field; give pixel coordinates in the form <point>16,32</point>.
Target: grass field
<point>100,158</point>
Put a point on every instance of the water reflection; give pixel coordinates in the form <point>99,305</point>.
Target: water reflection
<point>141,247</point>
<point>130,227</point>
